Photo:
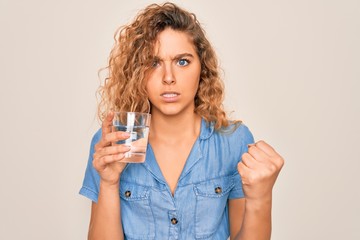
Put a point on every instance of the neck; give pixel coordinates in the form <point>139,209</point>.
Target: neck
<point>174,128</point>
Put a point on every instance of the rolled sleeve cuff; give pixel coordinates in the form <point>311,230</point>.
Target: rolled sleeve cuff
<point>89,193</point>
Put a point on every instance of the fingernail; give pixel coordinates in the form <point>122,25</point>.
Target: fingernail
<point>126,134</point>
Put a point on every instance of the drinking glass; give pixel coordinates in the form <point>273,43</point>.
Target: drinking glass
<point>137,125</point>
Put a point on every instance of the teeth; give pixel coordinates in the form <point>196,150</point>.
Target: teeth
<point>170,95</point>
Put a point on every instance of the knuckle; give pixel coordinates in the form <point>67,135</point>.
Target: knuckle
<point>251,179</point>
<point>107,159</point>
<point>251,150</point>
<point>120,148</point>
<point>105,123</point>
<point>97,146</point>
<point>106,138</point>
<point>240,168</point>
<point>121,135</point>
<point>95,163</point>
<point>281,162</point>
<point>120,156</point>
<point>105,150</point>
<point>263,175</point>
<point>273,168</point>
<point>125,148</point>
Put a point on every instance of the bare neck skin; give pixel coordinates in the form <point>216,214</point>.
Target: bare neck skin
<point>172,129</point>
<point>172,138</point>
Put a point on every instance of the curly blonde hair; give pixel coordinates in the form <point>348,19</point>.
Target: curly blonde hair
<point>133,54</point>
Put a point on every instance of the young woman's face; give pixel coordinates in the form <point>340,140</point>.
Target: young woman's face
<point>174,79</point>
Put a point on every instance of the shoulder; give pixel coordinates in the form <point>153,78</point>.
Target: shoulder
<point>224,148</point>
<point>96,137</point>
<point>237,131</point>
<point>244,133</point>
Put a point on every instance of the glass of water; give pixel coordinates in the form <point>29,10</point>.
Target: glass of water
<point>137,125</point>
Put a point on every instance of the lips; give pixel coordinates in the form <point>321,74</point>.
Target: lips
<point>170,96</point>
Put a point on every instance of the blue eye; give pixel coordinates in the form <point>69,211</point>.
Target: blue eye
<point>183,62</point>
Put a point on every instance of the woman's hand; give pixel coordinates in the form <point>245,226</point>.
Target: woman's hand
<point>108,154</point>
<point>259,169</point>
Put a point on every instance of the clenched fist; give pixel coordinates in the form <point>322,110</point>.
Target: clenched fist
<point>259,169</point>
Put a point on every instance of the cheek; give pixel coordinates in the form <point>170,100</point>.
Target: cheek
<point>194,74</point>
<point>195,79</point>
<point>151,87</point>
<point>151,80</point>
<point>148,83</point>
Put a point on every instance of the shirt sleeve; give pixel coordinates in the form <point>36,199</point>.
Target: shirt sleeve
<point>244,137</point>
<point>90,187</point>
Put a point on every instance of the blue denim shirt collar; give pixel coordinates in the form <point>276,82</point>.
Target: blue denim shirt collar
<point>206,130</point>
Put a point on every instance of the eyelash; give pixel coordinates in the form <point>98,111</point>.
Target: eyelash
<point>183,59</point>
<point>156,62</point>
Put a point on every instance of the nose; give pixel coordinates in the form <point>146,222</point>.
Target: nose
<point>168,77</point>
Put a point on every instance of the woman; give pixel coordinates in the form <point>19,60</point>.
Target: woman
<point>190,186</point>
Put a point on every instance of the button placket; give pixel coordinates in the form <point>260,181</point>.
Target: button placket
<point>174,225</point>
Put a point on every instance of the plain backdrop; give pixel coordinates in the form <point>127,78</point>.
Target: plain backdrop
<point>292,73</point>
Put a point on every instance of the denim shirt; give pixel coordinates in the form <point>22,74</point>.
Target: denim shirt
<point>199,207</point>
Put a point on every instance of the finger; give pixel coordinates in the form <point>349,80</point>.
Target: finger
<point>258,154</point>
<point>116,136</point>
<point>248,160</point>
<point>113,137</point>
<point>111,150</point>
<point>244,172</point>
<point>100,163</point>
<point>107,123</point>
<point>270,151</point>
<point>112,158</point>
<point>266,148</point>
<point>105,129</point>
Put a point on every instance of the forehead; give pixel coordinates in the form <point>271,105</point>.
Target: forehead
<point>170,42</point>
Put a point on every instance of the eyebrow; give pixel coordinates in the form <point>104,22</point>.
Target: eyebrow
<point>178,56</point>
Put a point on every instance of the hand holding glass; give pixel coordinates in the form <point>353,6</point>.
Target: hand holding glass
<point>137,125</point>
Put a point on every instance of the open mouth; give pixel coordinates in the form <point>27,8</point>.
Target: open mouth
<point>169,95</point>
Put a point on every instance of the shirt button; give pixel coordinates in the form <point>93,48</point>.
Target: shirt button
<point>174,221</point>
<point>218,190</point>
<point>127,193</point>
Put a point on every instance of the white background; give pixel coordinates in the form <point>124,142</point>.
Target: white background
<point>292,73</point>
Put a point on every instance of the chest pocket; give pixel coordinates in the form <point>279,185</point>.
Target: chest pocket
<point>211,202</point>
<point>136,215</point>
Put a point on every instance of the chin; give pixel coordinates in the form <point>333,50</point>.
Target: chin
<point>171,111</point>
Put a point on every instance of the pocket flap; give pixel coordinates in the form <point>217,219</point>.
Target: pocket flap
<point>133,192</point>
<point>214,187</point>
